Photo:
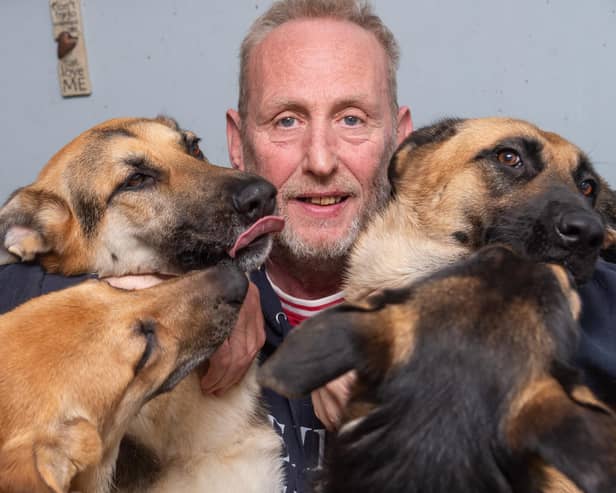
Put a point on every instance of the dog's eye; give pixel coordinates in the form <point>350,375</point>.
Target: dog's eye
<point>588,187</point>
<point>137,181</point>
<point>147,330</point>
<point>509,157</point>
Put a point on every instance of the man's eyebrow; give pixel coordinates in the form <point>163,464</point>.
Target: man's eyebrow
<point>361,101</point>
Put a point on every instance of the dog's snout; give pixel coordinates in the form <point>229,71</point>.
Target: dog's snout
<point>254,198</point>
<point>581,230</point>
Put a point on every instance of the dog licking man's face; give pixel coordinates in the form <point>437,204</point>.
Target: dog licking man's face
<point>137,196</point>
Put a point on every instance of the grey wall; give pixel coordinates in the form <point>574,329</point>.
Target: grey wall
<point>549,61</point>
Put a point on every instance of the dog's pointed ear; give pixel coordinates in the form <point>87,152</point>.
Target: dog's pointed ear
<point>323,348</point>
<point>574,433</point>
<point>76,447</point>
<point>606,206</point>
<point>317,351</point>
<point>27,220</point>
<point>371,336</point>
<point>439,131</point>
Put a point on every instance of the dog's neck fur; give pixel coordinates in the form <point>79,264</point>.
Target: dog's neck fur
<point>411,253</point>
<point>198,458</point>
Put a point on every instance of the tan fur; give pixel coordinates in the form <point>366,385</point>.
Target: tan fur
<point>575,303</point>
<point>73,220</point>
<point>61,420</point>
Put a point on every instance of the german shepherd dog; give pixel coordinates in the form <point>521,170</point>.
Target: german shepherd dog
<point>137,196</point>
<point>72,379</point>
<point>461,322</point>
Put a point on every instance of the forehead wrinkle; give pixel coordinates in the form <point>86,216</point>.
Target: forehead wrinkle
<point>291,55</point>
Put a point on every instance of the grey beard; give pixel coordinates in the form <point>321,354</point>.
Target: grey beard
<point>289,245</point>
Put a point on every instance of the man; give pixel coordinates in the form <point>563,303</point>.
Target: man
<point>318,117</point>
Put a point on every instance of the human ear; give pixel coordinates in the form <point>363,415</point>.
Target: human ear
<point>234,141</point>
<point>404,124</point>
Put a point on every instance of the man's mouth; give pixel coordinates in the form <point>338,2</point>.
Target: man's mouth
<point>261,227</point>
<point>327,200</point>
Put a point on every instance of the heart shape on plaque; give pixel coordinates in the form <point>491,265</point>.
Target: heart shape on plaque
<point>66,43</point>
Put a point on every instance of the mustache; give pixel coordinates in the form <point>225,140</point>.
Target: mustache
<point>303,186</point>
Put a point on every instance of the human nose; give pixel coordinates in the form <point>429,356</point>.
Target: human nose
<point>321,158</point>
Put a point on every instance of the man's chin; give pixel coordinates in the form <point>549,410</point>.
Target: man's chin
<point>315,247</point>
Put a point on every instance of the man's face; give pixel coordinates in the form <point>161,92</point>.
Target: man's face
<point>319,126</point>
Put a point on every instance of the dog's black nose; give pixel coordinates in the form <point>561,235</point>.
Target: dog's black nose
<point>580,230</point>
<point>254,197</point>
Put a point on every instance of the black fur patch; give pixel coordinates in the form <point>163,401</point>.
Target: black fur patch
<point>89,212</point>
<point>137,467</point>
<point>440,131</point>
<point>461,237</point>
<point>191,249</point>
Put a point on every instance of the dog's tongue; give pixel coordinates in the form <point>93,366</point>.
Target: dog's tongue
<point>265,225</point>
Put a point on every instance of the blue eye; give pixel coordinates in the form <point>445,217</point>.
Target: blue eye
<point>351,120</point>
<point>287,122</point>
